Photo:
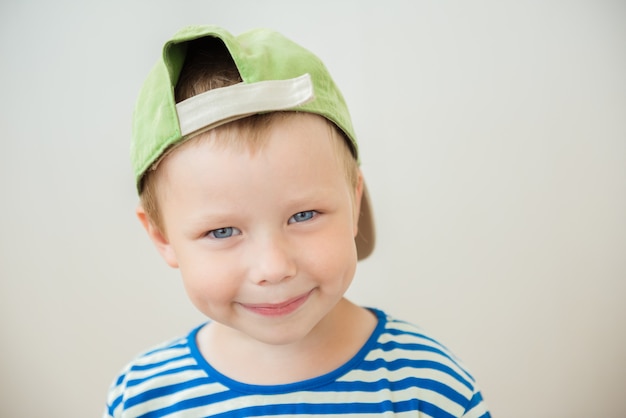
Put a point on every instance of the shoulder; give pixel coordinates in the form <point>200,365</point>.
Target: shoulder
<point>170,367</point>
<point>420,367</point>
<point>396,334</point>
<point>401,338</point>
<point>405,345</point>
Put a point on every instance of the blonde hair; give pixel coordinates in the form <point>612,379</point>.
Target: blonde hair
<point>209,66</point>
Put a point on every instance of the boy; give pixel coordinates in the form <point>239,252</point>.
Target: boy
<point>246,164</point>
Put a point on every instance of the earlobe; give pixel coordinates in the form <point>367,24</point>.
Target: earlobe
<point>158,238</point>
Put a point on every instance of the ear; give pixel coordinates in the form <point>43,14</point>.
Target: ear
<point>158,238</point>
<point>358,196</point>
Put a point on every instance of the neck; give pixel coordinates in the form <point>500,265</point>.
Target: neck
<point>334,341</point>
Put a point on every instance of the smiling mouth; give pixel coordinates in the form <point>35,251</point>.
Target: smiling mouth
<point>278,309</point>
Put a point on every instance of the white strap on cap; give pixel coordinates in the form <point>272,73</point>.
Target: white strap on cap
<point>215,107</point>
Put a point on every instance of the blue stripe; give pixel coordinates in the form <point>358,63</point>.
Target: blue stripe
<point>476,400</point>
<point>396,331</point>
<point>113,406</point>
<point>307,408</point>
<point>392,345</point>
<point>177,343</point>
<point>141,367</point>
<point>415,364</point>
<point>177,387</point>
<point>394,386</point>
<point>166,372</point>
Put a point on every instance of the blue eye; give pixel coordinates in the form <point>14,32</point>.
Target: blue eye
<point>222,233</point>
<point>302,216</point>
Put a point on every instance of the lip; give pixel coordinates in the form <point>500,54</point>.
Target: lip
<point>278,309</point>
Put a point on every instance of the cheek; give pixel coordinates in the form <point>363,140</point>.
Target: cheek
<point>336,258</point>
<point>209,282</point>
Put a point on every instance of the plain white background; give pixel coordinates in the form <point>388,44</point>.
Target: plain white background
<point>493,136</point>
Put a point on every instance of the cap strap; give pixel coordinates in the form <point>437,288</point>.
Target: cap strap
<point>216,107</point>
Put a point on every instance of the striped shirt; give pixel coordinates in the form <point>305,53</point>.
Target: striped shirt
<point>399,371</point>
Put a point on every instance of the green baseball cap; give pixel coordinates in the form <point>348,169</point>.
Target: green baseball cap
<point>277,74</point>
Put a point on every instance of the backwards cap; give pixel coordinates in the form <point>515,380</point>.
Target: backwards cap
<point>277,74</point>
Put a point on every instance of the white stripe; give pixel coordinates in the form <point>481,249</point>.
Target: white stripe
<point>145,374</point>
<point>477,411</point>
<point>405,373</point>
<point>339,398</point>
<point>214,107</point>
<point>165,380</point>
<point>161,355</point>
<point>171,399</point>
<point>409,355</point>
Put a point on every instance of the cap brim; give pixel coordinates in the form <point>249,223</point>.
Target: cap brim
<point>366,237</point>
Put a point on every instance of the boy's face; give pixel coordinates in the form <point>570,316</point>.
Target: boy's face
<point>264,240</point>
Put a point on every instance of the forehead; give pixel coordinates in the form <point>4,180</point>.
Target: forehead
<point>249,135</point>
<point>287,139</point>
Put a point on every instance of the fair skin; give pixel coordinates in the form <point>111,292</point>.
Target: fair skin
<point>264,241</point>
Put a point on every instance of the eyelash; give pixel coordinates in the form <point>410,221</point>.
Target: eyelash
<point>310,214</point>
<point>230,231</point>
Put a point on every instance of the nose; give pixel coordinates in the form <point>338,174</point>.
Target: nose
<point>273,260</point>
